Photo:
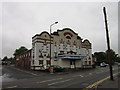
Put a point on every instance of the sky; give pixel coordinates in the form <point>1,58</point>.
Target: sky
<point>20,21</point>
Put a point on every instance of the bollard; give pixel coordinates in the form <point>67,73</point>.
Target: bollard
<point>51,70</point>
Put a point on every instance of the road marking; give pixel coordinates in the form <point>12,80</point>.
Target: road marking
<point>78,76</point>
<point>98,82</point>
<point>59,82</point>
<point>49,80</point>
<point>25,71</point>
<point>90,73</point>
<point>12,86</point>
<point>81,75</point>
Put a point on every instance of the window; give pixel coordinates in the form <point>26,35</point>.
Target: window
<point>40,62</point>
<point>48,62</point>
<point>68,37</point>
<point>33,62</point>
<point>61,52</point>
<point>61,41</point>
<point>55,55</point>
<point>74,43</point>
<point>89,62</point>
<point>68,42</point>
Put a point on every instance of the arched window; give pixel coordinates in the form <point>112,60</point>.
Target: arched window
<point>68,37</point>
<point>74,43</point>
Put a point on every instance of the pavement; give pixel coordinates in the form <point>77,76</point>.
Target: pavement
<point>107,83</point>
<point>42,72</point>
<point>111,84</point>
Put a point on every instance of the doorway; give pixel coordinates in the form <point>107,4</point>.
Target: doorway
<point>72,64</point>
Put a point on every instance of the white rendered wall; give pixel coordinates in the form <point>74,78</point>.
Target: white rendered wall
<point>78,63</point>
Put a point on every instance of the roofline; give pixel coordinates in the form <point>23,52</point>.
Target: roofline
<point>67,29</point>
<point>40,34</point>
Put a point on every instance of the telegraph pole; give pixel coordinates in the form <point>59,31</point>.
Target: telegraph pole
<point>108,44</point>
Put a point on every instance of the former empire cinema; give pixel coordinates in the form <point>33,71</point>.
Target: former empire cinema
<point>63,47</point>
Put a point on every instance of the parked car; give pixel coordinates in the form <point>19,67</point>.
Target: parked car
<point>103,64</point>
<point>56,68</point>
<point>93,65</point>
<point>4,63</point>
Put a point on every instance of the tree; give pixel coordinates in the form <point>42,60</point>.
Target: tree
<point>12,60</point>
<point>118,59</point>
<point>113,55</point>
<point>20,50</point>
<point>101,57</point>
<point>5,58</point>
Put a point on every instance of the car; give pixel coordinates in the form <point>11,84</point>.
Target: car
<point>118,64</point>
<point>56,68</point>
<point>103,64</point>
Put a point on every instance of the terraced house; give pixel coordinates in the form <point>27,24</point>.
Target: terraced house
<point>68,50</point>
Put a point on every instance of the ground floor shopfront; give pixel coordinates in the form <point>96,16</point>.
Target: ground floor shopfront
<point>67,62</point>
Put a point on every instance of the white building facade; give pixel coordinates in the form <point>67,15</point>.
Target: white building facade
<point>68,50</point>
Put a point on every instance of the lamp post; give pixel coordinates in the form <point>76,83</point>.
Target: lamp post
<point>50,38</point>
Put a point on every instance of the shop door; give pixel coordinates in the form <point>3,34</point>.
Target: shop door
<point>72,63</point>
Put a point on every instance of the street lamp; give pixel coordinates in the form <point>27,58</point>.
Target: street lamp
<point>50,38</point>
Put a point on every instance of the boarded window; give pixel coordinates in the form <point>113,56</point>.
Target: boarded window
<point>48,62</point>
<point>40,62</point>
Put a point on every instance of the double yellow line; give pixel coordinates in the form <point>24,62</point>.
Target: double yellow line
<point>98,82</point>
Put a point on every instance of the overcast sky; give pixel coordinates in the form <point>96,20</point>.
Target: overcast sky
<point>22,20</point>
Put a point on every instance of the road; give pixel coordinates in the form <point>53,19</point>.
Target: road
<point>70,79</point>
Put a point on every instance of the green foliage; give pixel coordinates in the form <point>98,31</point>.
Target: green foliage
<point>5,58</point>
<point>11,59</point>
<point>113,55</point>
<point>102,57</point>
<point>118,59</point>
<point>20,50</point>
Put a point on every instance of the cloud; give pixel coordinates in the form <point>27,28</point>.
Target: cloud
<point>22,20</point>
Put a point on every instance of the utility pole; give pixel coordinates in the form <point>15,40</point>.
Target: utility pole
<point>108,44</point>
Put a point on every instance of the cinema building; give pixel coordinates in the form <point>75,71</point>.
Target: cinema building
<point>68,50</point>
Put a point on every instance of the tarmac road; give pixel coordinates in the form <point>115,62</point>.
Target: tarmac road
<point>70,79</point>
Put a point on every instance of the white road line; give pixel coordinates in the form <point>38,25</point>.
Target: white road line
<point>12,87</point>
<point>90,73</point>
<point>81,75</point>
<point>59,82</point>
<point>49,80</point>
<point>78,76</point>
